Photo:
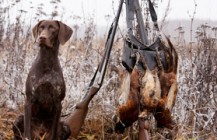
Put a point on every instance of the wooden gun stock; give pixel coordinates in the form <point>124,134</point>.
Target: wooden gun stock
<point>77,118</point>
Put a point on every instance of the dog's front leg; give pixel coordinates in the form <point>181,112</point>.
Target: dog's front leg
<point>27,119</point>
<point>55,122</point>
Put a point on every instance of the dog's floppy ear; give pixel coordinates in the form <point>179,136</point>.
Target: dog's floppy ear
<point>35,29</point>
<point>65,33</point>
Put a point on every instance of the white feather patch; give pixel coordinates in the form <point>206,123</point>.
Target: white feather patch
<point>125,89</point>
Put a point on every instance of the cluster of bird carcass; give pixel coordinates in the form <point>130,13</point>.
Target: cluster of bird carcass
<point>148,85</point>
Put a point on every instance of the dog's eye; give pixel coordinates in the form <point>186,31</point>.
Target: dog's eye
<point>41,27</point>
<point>51,27</point>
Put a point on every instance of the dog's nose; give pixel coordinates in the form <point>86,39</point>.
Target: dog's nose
<point>42,37</point>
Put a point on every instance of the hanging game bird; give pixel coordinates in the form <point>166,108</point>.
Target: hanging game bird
<point>148,91</point>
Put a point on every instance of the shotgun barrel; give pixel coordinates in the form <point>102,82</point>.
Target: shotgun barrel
<point>77,118</point>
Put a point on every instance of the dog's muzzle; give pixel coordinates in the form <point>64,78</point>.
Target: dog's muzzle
<point>44,41</point>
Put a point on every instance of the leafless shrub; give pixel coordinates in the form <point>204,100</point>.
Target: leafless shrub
<point>192,21</point>
<point>195,110</point>
<point>166,13</point>
<point>196,107</point>
<point>180,40</point>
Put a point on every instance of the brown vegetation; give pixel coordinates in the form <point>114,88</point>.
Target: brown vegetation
<point>195,106</point>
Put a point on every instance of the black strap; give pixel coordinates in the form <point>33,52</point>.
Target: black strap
<point>152,11</point>
<point>153,15</point>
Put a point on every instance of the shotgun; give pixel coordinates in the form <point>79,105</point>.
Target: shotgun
<point>77,118</point>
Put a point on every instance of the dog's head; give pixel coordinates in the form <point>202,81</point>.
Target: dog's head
<point>47,32</point>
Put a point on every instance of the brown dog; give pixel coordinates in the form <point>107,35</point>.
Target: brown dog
<point>45,86</point>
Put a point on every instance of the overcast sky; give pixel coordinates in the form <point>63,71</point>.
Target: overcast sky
<point>206,9</point>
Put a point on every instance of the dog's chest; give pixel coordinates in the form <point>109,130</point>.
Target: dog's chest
<point>51,82</point>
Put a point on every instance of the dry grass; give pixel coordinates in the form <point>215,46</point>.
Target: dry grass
<point>194,112</point>
<point>195,109</point>
<point>7,118</point>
